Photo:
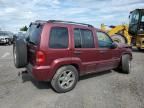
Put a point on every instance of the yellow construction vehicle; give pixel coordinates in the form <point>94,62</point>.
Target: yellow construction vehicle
<point>132,34</point>
<point>118,33</point>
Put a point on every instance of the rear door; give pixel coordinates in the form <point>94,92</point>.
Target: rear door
<point>84,49</point>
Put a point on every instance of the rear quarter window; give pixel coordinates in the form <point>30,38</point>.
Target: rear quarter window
<point>58,38</point>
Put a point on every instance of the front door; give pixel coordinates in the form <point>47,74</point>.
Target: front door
<point>109,57</point>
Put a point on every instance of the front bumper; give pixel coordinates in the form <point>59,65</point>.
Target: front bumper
<point>40,73</point>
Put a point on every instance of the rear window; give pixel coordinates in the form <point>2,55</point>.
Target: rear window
<point>58,38</point>
<point>34,33</point>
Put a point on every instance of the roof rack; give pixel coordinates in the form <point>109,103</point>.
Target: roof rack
<point>69,22</point>
<point>41,21</point>
<point>38,22</point>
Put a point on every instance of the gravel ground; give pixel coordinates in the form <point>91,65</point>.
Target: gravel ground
<point>103,90</point>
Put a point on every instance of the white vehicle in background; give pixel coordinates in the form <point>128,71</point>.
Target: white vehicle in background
<point>19,35</point>
<point>6,38</point>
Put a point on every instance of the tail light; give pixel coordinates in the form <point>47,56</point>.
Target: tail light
<point>40,58</point>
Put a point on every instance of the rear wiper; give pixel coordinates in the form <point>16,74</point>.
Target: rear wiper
<point>31,42</point>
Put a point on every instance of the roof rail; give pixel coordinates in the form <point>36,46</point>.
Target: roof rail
<point>40,21</point>
<point>69,22</point>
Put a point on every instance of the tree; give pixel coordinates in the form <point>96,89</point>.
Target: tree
<point>24,28</point>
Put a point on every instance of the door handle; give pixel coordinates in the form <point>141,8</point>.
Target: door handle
<point>102,51</point>
<point>77,52</point>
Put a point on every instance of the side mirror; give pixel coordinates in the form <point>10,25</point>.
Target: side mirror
<point>113,45</point>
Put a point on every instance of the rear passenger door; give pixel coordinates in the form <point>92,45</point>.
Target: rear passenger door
<point>84,49</point>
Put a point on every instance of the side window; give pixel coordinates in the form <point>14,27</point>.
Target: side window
<point>77,38</point>
<point>104,41</point>
<point>142,18</point>
<point>87,39</point>
<point>83,38</point>
<point>58,38</point>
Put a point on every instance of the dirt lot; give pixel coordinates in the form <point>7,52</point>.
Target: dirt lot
<point>104,90</point>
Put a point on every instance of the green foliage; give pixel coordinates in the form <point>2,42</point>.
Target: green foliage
<point>25,28</point>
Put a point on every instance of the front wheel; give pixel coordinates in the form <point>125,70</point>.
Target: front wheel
<point>126,64</point>
<point>65,79</point>
<point>140,49</point>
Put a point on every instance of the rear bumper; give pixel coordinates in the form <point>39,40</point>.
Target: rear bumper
<point>40,73</point>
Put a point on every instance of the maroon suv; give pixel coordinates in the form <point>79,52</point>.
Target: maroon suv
<point>61,51</point>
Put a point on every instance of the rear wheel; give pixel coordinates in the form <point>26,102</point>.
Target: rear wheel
<point>65,79</point>
<point>140,49</point>
<point>118,38</point>
<point>9,43</point>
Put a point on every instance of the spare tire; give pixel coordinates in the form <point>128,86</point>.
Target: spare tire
<point>20,53</point>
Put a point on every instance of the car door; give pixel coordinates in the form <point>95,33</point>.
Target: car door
<point>109,57</point>
<point>84,49</point>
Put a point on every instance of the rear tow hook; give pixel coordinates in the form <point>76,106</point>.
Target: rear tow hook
<point>22,72</point>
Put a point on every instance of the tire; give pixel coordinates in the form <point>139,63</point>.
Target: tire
<point>20,53</point>
<point>62,82</point>
<point>118,38</point>
<point>9,43</point>
<point>140,49</point>
<point>126,64</point>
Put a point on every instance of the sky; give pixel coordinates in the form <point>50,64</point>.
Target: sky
<point>14,14</point>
